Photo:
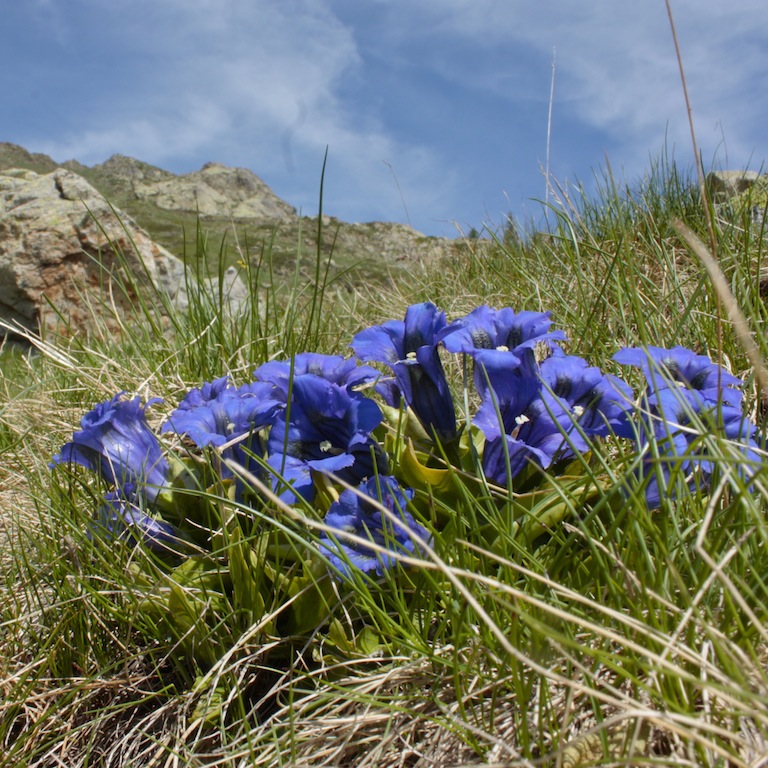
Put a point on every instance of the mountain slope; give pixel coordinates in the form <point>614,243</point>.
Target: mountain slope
<point>234,207</point>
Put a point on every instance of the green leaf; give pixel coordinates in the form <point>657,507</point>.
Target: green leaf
<point>313,594</point>
<point>405,423</point>
<point>196,605</point>
<point>412,471</point>
<point>368,642</point>
<point>546,508</point>
<point>210,704</point>
<point>246,571</point>
<point>365,644</point>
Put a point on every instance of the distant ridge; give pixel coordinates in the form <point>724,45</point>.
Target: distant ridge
<point>237,209</point>
<point>14,156</point>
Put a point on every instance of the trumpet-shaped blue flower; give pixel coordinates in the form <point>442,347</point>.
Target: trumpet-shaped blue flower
<point>334,368</point>
<point>326,429</point>
<point>679,366</point>
<point>357,513</point>
<point>504,456</point>
<point>549,421</point>
<point>218,411</point>
<point>410,348</point>
<point>291,477</point>
<point>688,396</point>
<point>116,441</point>
<point>601,404</point>
<point>678,421</point>
<point>497,339</point>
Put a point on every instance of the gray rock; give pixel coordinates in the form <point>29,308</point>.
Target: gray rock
<point>386,242</point>
<point>215,190</point>
<point>135,172</point>
<point>222,203</point>
<point>724,185</point>
<point>61,245</point>
<point>234,294</point>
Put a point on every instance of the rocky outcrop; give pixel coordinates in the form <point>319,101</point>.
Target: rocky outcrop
<point>739,193</point>
<point>384,241</point>
<point>131,172</point>
<point>214,191</point>
<point>723,185</point>
<point>14,156</point>
<point>742,196</point>
<point>170,207</point>
<point>231,291</point>
<point>61,246</point>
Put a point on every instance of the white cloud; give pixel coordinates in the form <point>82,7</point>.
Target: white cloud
<point>142,137</point>
<point>616,64</point>
<point>249,80</point>
<point>200,60</point>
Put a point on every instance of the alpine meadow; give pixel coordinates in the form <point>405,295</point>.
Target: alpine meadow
<point>503,504</point>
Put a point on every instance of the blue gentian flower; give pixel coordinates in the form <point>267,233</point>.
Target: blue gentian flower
<point>334,368</point>
<point>291,477</point>
<point>410,349</point>
<point>325,429</point>
<point>549,421</point>
<point>204,395</point>
<point>543,432</point>
<point>682,403</point>
<point>512,393</point>
<point>358,515</point>
<point>676,423</point>
<point>116,441</point>
<point>679,366</point>
<point>218,413</point>
<point>504,456</point>
<point>496,340</point>
<point>120,518</point>
<point>599,402</point>
<point>491,329</point>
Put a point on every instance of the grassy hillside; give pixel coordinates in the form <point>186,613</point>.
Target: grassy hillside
<point>602,604</point>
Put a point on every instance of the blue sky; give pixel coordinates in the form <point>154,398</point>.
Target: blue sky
<point>434,112</point>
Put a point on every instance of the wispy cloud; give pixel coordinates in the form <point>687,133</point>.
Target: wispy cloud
<point>617,69</point>
<point>199,61</point>
<point>241,80</point>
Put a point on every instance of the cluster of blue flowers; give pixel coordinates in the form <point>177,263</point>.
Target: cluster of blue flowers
<point>317,416</point>
<point>688,397</point>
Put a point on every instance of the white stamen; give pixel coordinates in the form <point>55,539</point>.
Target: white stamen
<point>578,410</point>
<point>326,446</point>
<point>521,419</point>
<point>502,348</point>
